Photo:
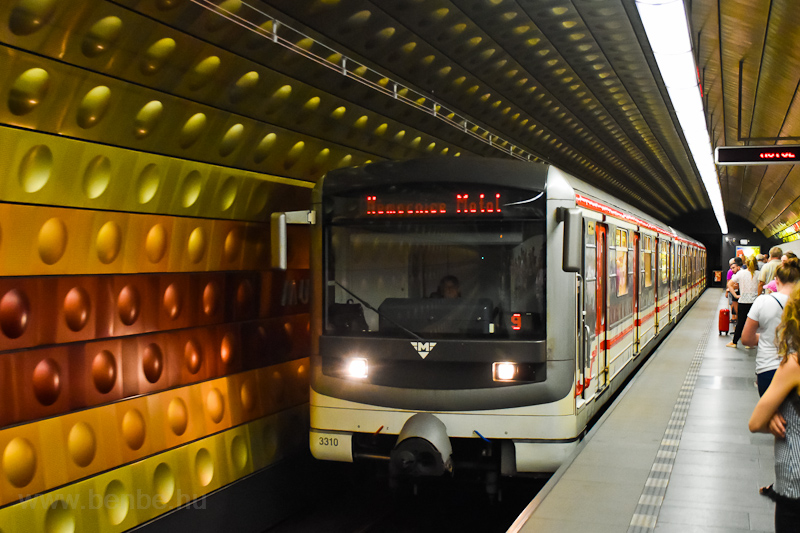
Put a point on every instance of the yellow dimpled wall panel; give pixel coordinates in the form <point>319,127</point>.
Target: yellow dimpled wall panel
<point>122,498</point>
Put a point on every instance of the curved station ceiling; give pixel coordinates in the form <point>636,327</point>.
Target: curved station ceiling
<point>329,83</point>
<point>571,82</point>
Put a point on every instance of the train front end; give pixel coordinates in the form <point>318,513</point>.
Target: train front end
<point>431,347</point>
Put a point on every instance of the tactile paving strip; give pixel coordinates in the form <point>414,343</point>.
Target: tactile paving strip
<point>646,514</point>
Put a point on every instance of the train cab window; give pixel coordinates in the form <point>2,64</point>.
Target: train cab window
<point>621,241</point>
<point>648,261</point>
<point>392,268</point>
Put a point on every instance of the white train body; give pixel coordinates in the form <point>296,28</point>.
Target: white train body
<point>568,355</point>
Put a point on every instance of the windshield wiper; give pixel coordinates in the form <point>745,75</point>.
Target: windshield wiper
<point>368,306</point>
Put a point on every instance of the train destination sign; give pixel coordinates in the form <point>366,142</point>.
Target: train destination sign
<point>757,155</point>
<point>458,203</point>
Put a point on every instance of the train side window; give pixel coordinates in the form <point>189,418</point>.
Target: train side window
<point>621,241</point>
<point>648,262</point>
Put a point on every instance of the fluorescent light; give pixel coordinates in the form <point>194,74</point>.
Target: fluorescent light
<point>668,33</point>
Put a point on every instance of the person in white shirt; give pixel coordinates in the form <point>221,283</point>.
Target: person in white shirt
<point>764,317</point>
<point>747,293</point>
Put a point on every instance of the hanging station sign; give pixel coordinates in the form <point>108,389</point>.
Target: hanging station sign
<point>757,155</point>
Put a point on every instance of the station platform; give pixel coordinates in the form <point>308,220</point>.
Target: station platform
<point>673,452</point>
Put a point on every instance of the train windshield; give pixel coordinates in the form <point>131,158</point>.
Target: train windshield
<point>436,278</point>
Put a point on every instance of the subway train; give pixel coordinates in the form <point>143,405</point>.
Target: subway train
<point>556,293</point>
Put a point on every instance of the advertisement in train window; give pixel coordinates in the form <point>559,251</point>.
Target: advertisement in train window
<point>622,262</point>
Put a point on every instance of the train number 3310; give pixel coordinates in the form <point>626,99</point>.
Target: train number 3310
<point>328,441</point>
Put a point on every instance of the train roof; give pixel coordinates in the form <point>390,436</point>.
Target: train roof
<point>509,172</point>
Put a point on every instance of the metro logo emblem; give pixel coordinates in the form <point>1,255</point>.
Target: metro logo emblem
<point>423,348</point>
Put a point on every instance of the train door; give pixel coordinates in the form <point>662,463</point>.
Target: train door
<point>601,325</point>
<point>664,292</point>
<point>594,257</point>
<point>637,283</point>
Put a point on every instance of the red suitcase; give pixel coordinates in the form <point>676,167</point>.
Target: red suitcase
<point>724,321</point>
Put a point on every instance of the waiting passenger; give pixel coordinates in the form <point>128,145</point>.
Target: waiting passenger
<point>772,286</point>
<point>762,321</point>
<point>448,288</point>
<point>728,293</point>
<point>778,412</point>
<point>746,293</point>
<point>768,272</point>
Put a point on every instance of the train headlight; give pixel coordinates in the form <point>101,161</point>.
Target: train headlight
<point>357,367</point>
<point>504,371</point>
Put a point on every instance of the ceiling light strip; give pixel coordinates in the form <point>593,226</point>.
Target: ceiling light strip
<point>286,36</point>
<point>667,30</point>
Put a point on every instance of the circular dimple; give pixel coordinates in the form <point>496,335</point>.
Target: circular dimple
<point>156,243</point>
<point>104,371</point>
<point>215,404</point>
<point>202,73</point>
<point>262,150</point>
<point>14,313</point>
<point>128,305</point>
<point>93,107</point>
<point>35,168</point>
<point>177,416</point>
<point>192,186</point>
<point>248,395</point>
<point>109,242</point>
<point>133,429</point>
<point>271,441</point>
<point>217,20</point>
<point>172,301</point>
<point>239,453</point>
<point>244,297</point>
<point>59,518</point>
<point>226,350</point>
<point>77,308</point>
<point>192,130</point>
<point>233,244</point>
<point>148,183</point>
<point>210,298</point>
<point>192,356</point>
<point>231,140</point>
<point>294,154</point>
<point>147,119</point>
<point>81,444</point>
<point>228,193</point>
<point>102,36</point>
<point>97,177</point>
<point>204,467</point>
<point>28,16</point>
<point>259,198</point>
<point>19,462</point>
<point>28,91</point>
<point>155,56</point>
<point>152,362</point>
<point>197,245</point>
<point>117,502</point>
<point>164,482</point>
<point>244,87</point>
<point>47,381</point>
<point>52,240</point>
